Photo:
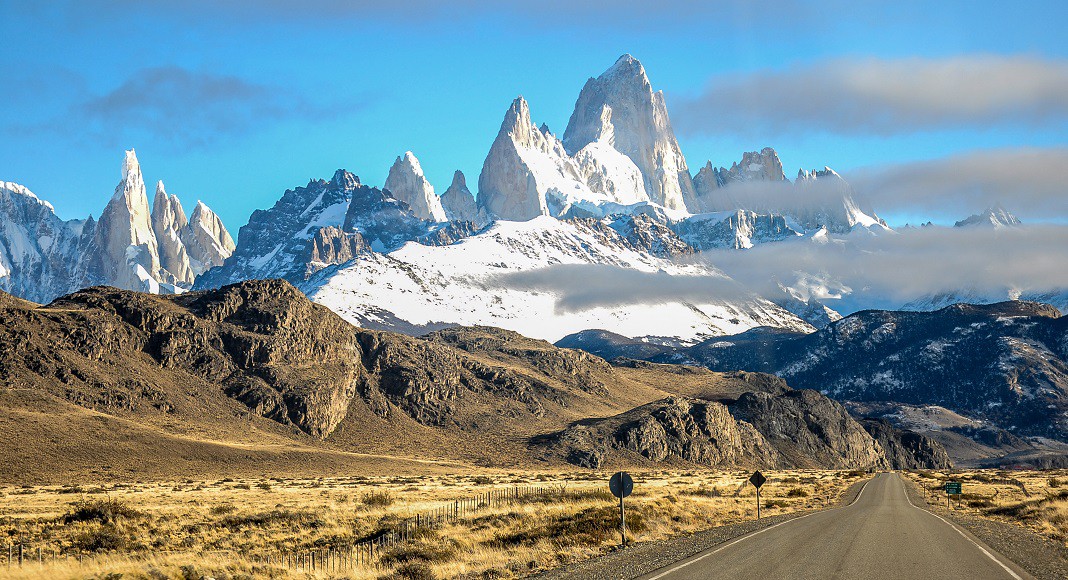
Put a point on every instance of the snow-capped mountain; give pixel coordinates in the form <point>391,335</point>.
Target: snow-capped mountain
<point>528,174</point>
<point>131,246</point>
<point>38,251</point>
<point>419,287</point>
<point>816,199</point>
<point>620,111</point>
<point>995,217</point>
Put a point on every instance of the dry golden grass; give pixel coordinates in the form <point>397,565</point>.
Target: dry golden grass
<point>222,528</point>
<point>1034,499</point>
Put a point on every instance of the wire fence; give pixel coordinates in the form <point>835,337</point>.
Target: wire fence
<point>336,558</point>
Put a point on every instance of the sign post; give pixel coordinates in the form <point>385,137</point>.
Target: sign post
<point>621,485</point>
<point>952,488</point>
<point>757,479</point>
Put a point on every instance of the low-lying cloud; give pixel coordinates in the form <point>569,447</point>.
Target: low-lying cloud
<point>181,108</point>
<point>885,271</point>
<point>1030,182</point>
<point>874,96</point>
<point>580,287</point>
<point>892,269</point>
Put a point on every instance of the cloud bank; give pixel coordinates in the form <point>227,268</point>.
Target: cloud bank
<point>181,108</point>
<point>889,270</point>
<point>1028,181</point>
<point>581,287</point>
<point>884,271</point>
<point>873,96</point>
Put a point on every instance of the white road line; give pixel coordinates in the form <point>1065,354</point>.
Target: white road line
<point>746,537</point>
<point>962,534</point>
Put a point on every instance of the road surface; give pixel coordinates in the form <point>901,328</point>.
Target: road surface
<point>880,535</point>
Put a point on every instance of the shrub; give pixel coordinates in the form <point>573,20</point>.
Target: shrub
<point>420,552</point>
<point>103,538</point>
<point>273,517</point>
<point>105,511</point>
<point>222,509</point>
<point>377,499</point>
<point>590,526</point>
<point>414,571</point>
<point>797,492</point>
<point>706,491</point>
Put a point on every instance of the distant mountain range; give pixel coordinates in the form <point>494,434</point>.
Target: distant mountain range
<point>159,250</point>
<point>615,190</point>
<point>996,375</point>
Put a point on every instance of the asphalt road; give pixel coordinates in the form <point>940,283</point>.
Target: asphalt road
<point>880,535</point>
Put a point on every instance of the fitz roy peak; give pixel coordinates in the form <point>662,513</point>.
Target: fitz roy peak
<point>620,110</point>
<point>131,246</point>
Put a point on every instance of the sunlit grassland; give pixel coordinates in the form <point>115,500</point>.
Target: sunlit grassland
<point>225,528</point>
<point>1035,499</point>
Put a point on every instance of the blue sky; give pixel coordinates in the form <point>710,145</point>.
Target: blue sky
<point>233,102</point>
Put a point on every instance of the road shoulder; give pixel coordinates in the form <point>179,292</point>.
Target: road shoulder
<point>640,559</point>
<point>1041,557</point>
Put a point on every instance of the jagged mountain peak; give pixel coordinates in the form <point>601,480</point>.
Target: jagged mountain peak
<point>12,188</point>
<point>407,183</point>
<point>620,108</point>
<point>458,180</point>
<point>130,164</point>
<point>763,165</point>
<point>996,217</point>
<point>459,203</point>
<point>627,69</point>
<point>345,180</point>
<point>803,174</point>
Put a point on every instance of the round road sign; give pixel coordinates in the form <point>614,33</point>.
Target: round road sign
<point>621,484</point>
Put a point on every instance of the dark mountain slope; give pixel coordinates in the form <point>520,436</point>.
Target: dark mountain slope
<point>254,376</point>
<point>1005,363</point>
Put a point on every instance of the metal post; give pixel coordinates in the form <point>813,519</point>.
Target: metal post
<point>758,504</point>
<point>622,523</point>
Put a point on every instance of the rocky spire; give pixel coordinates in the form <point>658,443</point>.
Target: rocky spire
<point>408,184</point>
<point>637,125</point>
<point>523,167</point>
<point>168,221</point>
<point>206,240</point>
<point>124,252</point>
<point>459,203</point>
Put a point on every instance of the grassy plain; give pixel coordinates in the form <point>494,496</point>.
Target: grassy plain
<point>223,529</point>
<point>1035,499</point>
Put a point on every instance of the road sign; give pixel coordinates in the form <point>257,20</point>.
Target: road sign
<point>621,484</point>
<point>757,479</point>
<point>953,488</point>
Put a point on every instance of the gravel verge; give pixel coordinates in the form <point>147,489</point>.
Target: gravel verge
<point>1040,556</point>
<point>642,558</point>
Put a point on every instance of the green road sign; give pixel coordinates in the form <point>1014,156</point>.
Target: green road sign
<point>953,488</point>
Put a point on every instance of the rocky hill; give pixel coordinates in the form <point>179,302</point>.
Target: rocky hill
<point>259,366</point>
